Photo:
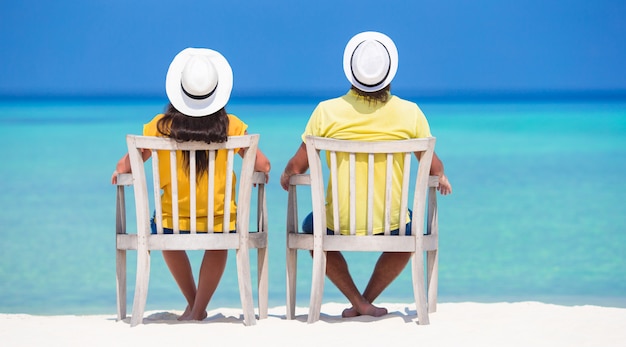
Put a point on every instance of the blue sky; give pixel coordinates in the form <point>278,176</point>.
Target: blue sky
<point>446,47</point>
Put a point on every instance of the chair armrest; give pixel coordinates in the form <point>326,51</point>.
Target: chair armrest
<point>433,181</point>
<point>300,180</point>
<point>258,177</point>
<point>125,179</point>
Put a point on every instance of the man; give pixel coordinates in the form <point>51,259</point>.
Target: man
<point>367,112</point>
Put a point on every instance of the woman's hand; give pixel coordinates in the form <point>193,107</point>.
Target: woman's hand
<point>123,166</point>
<point>444,186</point>
<point>284,180</point>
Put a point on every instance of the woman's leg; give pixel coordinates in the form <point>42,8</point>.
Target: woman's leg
<point>178,263</point>
<point>211,270</point>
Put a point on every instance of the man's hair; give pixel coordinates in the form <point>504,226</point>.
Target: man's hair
<point>180,127</point>
<point>382,95</point>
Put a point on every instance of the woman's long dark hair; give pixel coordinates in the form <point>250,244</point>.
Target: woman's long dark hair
<point>180,127</point>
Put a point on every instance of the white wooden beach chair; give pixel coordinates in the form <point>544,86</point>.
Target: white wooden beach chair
<point>144,242</point>
<point>419,243</point>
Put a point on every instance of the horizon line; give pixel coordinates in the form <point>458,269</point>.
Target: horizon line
<point>426,96</point>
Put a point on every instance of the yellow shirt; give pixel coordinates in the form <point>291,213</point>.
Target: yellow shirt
<point>236,127</point>
<point>350,117</point>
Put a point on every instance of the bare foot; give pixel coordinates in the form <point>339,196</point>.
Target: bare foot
<point>200,317</point>
<point>368,310</point>
<point>187,315</point>
<point>350,312</point>
<point>376,311</point>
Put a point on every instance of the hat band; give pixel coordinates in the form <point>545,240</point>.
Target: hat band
<point>386,74</point>
<point>198,97</point>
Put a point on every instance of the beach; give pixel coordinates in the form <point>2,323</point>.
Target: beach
<point>526,100</point>
<point>454,324</point>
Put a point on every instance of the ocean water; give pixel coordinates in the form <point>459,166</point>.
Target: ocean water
<point>537,212</point>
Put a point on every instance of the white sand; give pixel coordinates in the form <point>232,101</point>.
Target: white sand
<point>454,324</point>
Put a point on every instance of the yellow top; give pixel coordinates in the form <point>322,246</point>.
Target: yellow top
<point>350,117</point>
<point>236,127</point>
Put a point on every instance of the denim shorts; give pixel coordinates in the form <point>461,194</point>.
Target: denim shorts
<point>170,231</point>
<point>307,226</point>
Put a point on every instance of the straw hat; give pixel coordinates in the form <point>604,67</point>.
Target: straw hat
<point>199,82</point>
<point>370,61</point>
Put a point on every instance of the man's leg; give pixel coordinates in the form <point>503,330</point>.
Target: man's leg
<point>337,271</point>
<point>388,267</point>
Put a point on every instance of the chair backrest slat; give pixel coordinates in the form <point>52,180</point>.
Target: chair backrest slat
<point>388,191</point>
<point>211,194</point>
<point>174,183</point>
<point>192,191</point>
<point>228,190</point>
<point>352,194</point>
<point>370,194</point>
<point>335,188</point>
<point>406,174</point>
<point>156,182</point>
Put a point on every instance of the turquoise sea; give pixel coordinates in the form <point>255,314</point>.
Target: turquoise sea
<point>538,210</point>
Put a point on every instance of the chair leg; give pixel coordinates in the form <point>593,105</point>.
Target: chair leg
<point>433,279</point>
<point>292,268</point>
<point>262,285</point>
<point>317,285</point>
<point>419,287</point>
<point>245,284</point>
<point>120,254</point>
<point>120,271</point>
<point>292,253</point>
<point>141,287</point>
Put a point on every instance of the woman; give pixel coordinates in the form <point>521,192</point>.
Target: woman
<point>198,86</point>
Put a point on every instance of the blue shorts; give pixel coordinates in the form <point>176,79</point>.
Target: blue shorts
<point>307,226</point>
<point>170,231</point>
<point>165,230</point>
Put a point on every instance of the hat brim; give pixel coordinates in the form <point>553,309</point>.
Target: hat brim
<point>354,43</point>
<point>203,107</point>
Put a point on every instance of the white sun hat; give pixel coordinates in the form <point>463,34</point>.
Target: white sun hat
<point>370,61</point>
<point>199,81</point>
